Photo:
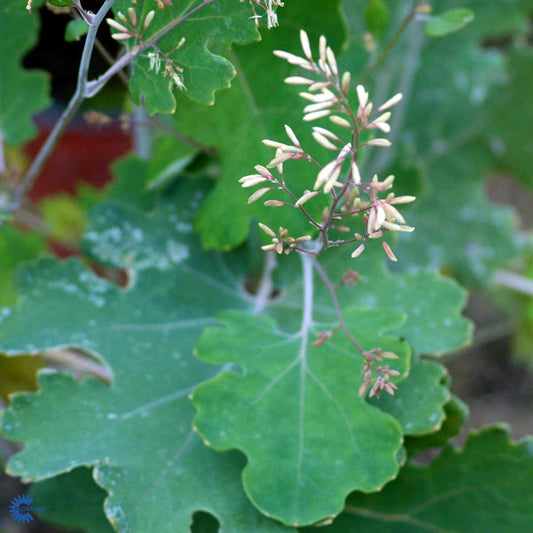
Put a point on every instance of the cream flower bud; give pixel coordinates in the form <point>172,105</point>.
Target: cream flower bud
<point>320,139</point>
<point>266,229</point>
<point>114,24</point>
<point>379,142</point>
<point>306,47</point>
<point>339,121</point>
<point>121,36</point>
<point>390,102</point>
<point>345,83</point>
<point>316,115</point>
<point>392,257</point>
<point>358,251</point>
<point>298,80</point>
<point>257,194</point>
<point>362,95</point>
<point>148,19</point>
<point>307,195</point>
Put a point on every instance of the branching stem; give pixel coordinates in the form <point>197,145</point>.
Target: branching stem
<point>75,102</point>
<point>331,288</point>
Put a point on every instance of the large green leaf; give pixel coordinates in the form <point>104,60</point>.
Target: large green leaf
<point>485,487</point>
<point>204,70</point>
<point>296,406</point>
<point>22,92</point>
<point>137,433</point>
<point>255,108</point>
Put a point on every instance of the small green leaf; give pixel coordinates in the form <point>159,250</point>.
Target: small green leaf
<point>377,18</point>
<point>448,22</point>
<point>75,29</point>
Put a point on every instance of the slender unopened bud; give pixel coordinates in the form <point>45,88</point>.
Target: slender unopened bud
<point>332,180</point>
<point>358,251</point>
<point>121,36</point>
<point>274,203</point>
<point>266,229</point>
<point>340,121</point>
<point>325,173</point>
<point>306,47</point>
<point>307,195</point>
<point>345,83</point>
<point>114,24</point>
<point>379,142</point>
<point>391,102</point>
<point>322,45</point>
<point>390,255</point>
<point>311,108</point>
<point>252,180</point>
<point>362,95</point>
<point>293,59</point>
<point>292,136</point>
<point>332,61</point>
<point>298,80</point>
<point>320,139</point>
<point>403,200</point>
<point>257,194</point>
<point>133,15</point>
<point>355,172</point>
<point>397,227</point>
<point>148,19</point>
<point>316,115</point>
<point>392,213</point>
<point>383,126</point>
<point>383,118</point>
<point>281,157</point>
<point>326,133</point>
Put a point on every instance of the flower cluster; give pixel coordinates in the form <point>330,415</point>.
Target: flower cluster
<point>131,27</point>
<point>340,178</point>
<point>282,242</point>
<point>384,373</point>
<point>269,8</point>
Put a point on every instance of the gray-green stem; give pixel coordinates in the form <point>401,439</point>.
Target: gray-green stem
<point>79,95</point>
